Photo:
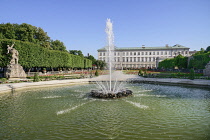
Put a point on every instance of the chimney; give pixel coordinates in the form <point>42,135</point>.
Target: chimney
<point>166,45</point>
<point>143,46</point>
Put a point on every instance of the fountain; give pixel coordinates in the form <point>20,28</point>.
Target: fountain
<point>108,88</point>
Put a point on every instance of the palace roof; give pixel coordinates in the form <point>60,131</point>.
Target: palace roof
<point>177,46</point>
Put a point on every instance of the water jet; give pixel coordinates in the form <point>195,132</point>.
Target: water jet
<point>110,88</point>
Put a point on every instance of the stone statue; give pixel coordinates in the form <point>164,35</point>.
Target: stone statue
<point>14,53</point>
<point>14,70</point>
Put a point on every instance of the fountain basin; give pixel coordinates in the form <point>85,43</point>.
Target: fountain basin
<point>110,94</point>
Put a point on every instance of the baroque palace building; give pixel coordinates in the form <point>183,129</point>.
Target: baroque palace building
<point>142,57</point>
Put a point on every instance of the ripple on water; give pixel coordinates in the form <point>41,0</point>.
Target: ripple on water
<point>51,97</point>
<point>137,104</point>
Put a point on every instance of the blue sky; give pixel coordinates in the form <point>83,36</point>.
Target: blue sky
<point>80,24</point>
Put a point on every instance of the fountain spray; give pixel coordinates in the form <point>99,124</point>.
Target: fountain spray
<point>110,49</point>
<point>106,89</point>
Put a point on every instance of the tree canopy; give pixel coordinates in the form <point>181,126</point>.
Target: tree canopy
<point>36,49</point>
<point>28,33</point>
<point>208,49</point>
<point>197,60</point>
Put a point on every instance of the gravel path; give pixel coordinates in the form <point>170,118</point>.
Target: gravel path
<point>116,75</point>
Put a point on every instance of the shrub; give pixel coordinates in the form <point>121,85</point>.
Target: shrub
<point>140,72</point>
<point>96,73</point>
<point>192,74</point>
<point>36,77</point>
<point>3,80</point>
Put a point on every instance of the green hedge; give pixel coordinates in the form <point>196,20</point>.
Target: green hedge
<point>199,61</point>
<point>33,55</point>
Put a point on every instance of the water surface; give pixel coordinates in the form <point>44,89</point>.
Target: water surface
<point>153,112</point>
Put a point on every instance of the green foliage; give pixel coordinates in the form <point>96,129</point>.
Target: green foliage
<point>3,80</point>
<point>90,57</point>
<point>87,63</point>
<point>100,64</point>
<point>36,49</point>
<point>24,32</point>
<point>192,74</point>
<point>96,73</point>
<point>36,77</point>
<point>76,52</point>
<point>179,61</point>
<point>58,45</point>
<point>33,55</point>
<point>167,63</point>
<point>199,60</point>
<point>28,33</point>
<point>208,49</point>
<point>140,73</point>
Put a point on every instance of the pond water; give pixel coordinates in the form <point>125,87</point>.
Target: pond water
<point>153,112</point>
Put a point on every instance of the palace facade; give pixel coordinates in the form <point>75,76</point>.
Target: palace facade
<point>138,57</point>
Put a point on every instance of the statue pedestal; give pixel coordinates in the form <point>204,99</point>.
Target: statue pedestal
<point>14,71</point>
<point>206,71</point>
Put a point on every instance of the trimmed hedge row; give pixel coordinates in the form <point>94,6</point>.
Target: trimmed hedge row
<point>198,61</point>
<point>32,55</point>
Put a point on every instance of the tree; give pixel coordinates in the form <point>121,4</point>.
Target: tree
<point>208,49</point>
<point>79,52</point>
<point>167,63</point>
<point>100,64</point>
<point>76,52</point>
<point>202,50</point>
<point>180,61</point>
<point>7,30</point>
<point>90,57</point>
<point>25,32</point>
<point>58,45</point>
